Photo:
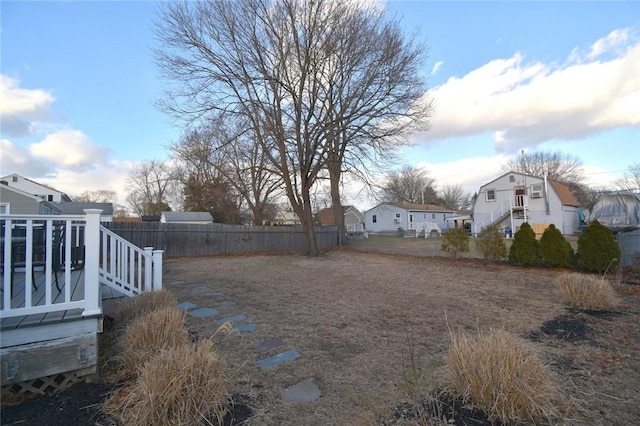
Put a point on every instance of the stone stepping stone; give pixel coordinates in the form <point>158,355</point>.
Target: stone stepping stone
<point>278,359</point>
<point>245,328</point>
<point>226,303</point>
<point>200,289</point>
<point>267,345</point>
<point>203,312</point>
<point>185,306</point>
<point>303,391</point>
<point>234,318</point>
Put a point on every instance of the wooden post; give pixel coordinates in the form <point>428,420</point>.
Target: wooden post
<point>157,269</point>
<point>92,302</point>
<point>148,270</point>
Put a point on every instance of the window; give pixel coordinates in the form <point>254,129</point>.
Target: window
<point>374,219</point>
<point>491,194</point>
<point>4,208</point>
<point>49,197</point>
<point>425,215</point>
<point>433,215</point>
<point>397,218</point>
<point>512,178</point>
<point>14,178</point>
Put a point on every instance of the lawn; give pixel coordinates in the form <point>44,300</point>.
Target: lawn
<point>373,330</point>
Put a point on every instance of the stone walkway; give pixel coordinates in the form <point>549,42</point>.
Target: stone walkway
<point>303,391</point>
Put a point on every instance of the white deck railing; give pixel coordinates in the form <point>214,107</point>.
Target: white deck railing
<point>126,267</point>
<point>506,207</point>
<point>53,263</point>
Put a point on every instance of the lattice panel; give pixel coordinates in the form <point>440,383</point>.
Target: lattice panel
<point>42,385</point>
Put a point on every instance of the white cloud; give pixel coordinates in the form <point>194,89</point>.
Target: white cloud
<point>111,177</point>
<point>614,39</point>
<point>525,104</point>
<point>436,67</point>
<point>21,108</point>
<point>16,159</point>
<point>470,173</point>
<point>70,149</point>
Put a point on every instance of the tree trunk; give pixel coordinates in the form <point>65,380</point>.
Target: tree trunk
<point>334,166</point>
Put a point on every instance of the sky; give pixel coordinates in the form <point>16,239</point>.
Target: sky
<point>79,87</point>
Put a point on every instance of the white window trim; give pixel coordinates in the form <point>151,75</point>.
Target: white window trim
<point>7,207</point>
<point>486,195</point>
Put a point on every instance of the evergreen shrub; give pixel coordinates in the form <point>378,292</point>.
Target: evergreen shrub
<point>524,249</point>
<point>597,248</point>
<point>555,250</point>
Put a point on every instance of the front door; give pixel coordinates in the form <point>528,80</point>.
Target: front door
<point>410,221</point>
<point>520,193</point>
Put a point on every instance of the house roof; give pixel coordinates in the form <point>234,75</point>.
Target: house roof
<point>21,192</point>
<point>187,217</point>
<point>325,216</point>
<point>63,196</point>
<point>564,193</point>
<point>421,207</point>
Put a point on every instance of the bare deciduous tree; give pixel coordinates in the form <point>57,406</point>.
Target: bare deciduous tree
<point>223,151</point>
<point>285,66</point>
<point>151,184</point>
<point>409,185</point>
<point>557,166</point>
<point>453,197</point>
<point>97,196</point>
<point>631,179</point>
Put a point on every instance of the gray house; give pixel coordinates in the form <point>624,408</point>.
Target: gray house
<point>514,198</point>
<point>16,201</point>
<point>388,217</point>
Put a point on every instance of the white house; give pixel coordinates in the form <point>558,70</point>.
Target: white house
<point>515,198</point>
<point>39,190</point>
<point>186,217</point>
<point>388,217</point>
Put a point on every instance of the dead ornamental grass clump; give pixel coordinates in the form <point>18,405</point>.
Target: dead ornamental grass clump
<point>151,334</point>
<point>182,385</point>
<point>500,374</point>
<point>134,307</point>
<point>584,291</point>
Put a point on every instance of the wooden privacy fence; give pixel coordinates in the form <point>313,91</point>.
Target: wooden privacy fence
<point>178,239</point>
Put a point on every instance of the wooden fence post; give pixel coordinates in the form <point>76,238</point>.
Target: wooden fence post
<point>92,302</point>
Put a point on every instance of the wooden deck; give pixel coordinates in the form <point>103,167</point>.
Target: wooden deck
<point>38,297</point>
<point>37,350</point>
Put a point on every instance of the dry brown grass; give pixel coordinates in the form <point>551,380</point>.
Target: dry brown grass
<point>182,385</point>
<point>151,334</point>
<point>134,307</point>
<point>502,375</point>
<point>587,292</point>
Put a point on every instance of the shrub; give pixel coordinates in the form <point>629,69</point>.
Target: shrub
<point>455,241</point>
<point>184,385</point>
<point>400,232</point>
<point>597,249</point>
<point>150,334</point>
<point>134,307</point>
<point>491,244</point>
<point>524,249</point>
<point>500,374</point>
<point>555,250</point>
<point>586,292</point>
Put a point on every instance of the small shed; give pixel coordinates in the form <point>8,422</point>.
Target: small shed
<point>186,217</point>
